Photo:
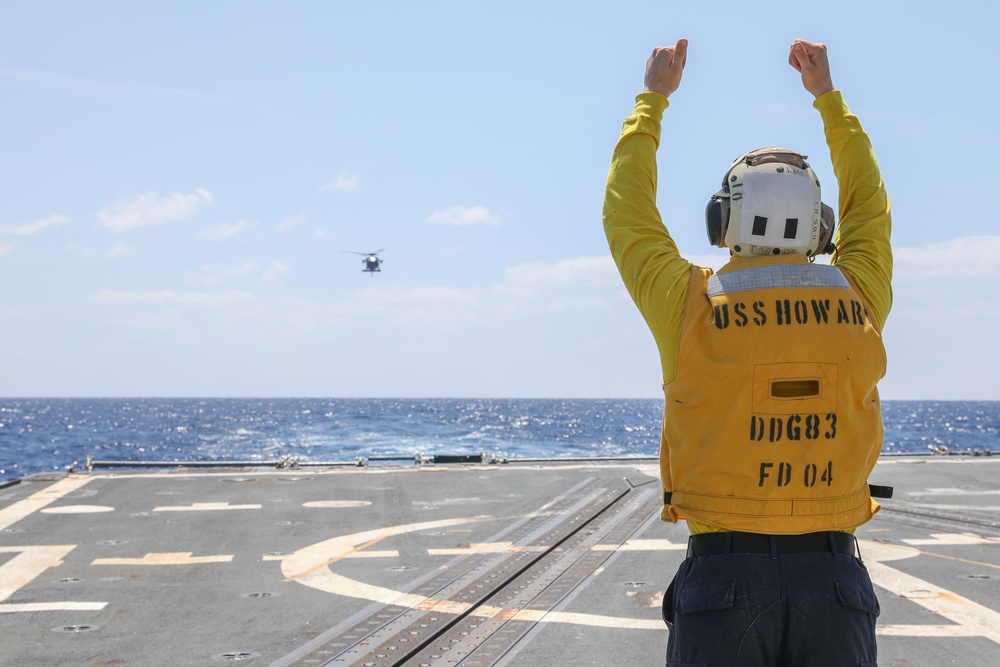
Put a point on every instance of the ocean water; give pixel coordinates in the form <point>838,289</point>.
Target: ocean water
<point>40,435</point>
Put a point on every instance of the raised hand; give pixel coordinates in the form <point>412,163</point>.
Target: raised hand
<point>810,61</point>
<point>664,68</point>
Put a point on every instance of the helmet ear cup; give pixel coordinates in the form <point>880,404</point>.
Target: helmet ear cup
<point>828,221</point>
<point>717,219</point>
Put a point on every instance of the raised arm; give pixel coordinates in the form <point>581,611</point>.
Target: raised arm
<point>651,267</point>
<point>865,223</point>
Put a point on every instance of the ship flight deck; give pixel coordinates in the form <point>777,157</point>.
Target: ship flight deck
<point>473,564</point>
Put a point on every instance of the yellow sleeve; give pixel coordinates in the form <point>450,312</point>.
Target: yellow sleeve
<point>865,223</point>
<point>651,267</point>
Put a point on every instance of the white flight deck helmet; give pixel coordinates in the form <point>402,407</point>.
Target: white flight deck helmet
<point>770,204</point>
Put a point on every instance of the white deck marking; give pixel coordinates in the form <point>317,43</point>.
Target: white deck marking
<point>374,554</point>
<point>77,509</point>
<point>174,558</point>
<point>508,547</point>
<point>572,618</point>
<point>643,545</point>
<point>925,631</point>
<point>485,548</point>
<point>954,539</point>
<point>956,508</point>
<point>36,501</point>
<point>28,563</point>
<point>32,607</point>
<point>389,553</point>
<point>954,492</point>
<point>337,503</point>
<point>974,619</point>
<point>204,507</point>
<point>310,566</point>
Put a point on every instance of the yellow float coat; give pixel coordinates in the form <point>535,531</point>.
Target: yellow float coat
<point>709,454</point>
<point>773,420</point>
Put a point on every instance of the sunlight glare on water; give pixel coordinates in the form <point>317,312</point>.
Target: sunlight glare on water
<point>38,435</point>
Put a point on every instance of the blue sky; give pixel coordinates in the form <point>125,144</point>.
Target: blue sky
<point>179,182</point>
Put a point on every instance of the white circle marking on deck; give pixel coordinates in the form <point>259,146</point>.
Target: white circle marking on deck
<point>310,566</point>
<point>965,617</point>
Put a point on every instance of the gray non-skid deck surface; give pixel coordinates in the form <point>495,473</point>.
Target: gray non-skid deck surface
<point>554,564</point>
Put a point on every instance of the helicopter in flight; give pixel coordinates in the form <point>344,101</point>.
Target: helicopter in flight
<point>371,260</point>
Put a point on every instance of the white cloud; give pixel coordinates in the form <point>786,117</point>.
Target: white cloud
<point>406,306</point>
<point>216,274</point>
<point>474,334</point>
<point>462,215</point>
<point>29,228</point>
<point>346,182</point>
<point>172,298</point>
<point>224,230</point>
<point>971,257</point>
<point>577,272</point>
<point>530,291</point>
<point>81,251</point>
<point>291,222</point>
<point>149,209</point>
<point>980,312</point>
<point>7,247</point>
<point>86,252</point>
<point>713,260</point>
<point>119,250</point>
<point>274,271</point>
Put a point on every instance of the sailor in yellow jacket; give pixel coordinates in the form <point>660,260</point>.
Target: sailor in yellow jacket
<point>772,420</point>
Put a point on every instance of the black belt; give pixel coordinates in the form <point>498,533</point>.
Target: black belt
<point>707,544</point>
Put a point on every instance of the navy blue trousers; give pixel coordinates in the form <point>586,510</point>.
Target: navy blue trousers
<point>758,610</point>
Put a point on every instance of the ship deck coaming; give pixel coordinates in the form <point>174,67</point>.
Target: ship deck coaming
<point>548,563</point>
